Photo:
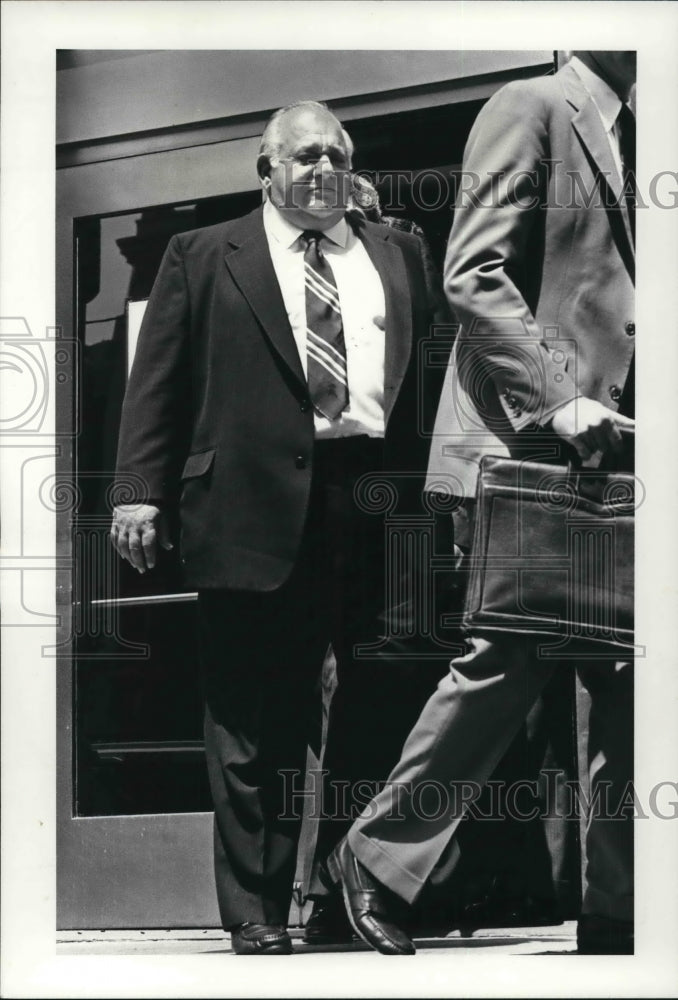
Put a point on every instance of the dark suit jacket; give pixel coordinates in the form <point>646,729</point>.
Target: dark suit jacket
<point>540,273</point>
<point>217,414</point>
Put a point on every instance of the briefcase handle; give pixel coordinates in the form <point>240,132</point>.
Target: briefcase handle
<point>608,463</point>
<point>613,488</point>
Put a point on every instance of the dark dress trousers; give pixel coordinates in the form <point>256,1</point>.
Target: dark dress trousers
<point>217,419</point>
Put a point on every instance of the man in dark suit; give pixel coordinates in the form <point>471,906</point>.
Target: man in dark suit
<point>276,366</point>
<point>540,272</point>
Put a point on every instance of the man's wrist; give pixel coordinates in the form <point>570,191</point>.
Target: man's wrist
<point>547,419</point>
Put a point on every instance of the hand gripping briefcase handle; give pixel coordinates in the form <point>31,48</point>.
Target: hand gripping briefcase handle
<point>552,556</point>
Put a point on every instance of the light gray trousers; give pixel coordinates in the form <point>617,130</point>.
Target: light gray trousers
<point>462,733</point>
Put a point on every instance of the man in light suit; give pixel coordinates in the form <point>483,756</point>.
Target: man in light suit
<point>276,366</point>
<point>540,273</point>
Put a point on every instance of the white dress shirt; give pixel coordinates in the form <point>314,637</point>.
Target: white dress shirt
<point>608,106</point>
<point>363,308</point>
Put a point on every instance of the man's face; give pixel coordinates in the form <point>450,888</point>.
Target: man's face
<point>309,181</point>
<point>618,69</point>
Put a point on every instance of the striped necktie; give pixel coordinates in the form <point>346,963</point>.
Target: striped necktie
<point>325,347</point>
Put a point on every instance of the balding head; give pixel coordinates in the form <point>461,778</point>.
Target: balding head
<point>303,164</point>
<point>273,136</point>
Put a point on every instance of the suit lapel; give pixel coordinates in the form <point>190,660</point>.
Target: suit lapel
<point>388,260</point>
<point>249,261</point>
<point>588,126</point>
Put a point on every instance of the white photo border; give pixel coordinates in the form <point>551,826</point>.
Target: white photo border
<point>32,32</point>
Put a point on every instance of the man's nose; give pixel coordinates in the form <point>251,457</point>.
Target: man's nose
<point>324,165</point>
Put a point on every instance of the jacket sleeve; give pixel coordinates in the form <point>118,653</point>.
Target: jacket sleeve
<point>439,331</point>
<point>155,415</point>
<point>438,304</point>
<point>504,188</point>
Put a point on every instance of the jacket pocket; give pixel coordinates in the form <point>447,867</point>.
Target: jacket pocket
<point>199,464</point>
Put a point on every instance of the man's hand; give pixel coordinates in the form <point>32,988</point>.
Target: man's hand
<point>589,426</point>
<point>135,531</point>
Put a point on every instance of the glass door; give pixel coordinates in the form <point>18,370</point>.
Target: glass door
<point>137,721</point>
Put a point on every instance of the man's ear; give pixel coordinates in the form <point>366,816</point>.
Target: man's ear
<point>263,166</point>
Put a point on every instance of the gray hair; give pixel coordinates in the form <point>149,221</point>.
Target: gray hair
<point>272,139</point>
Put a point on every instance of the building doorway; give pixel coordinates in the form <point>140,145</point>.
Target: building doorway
<point>134,807</point>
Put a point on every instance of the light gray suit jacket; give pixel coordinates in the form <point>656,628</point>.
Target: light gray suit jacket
<point>539,272</point>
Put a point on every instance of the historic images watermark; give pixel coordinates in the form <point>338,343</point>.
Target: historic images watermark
<point>548,797</point>
<point>546,185</point>
<point>432,189</point>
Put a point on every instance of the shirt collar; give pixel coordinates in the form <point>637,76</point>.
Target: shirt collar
<point>286,233</point>
<point>604,98</point>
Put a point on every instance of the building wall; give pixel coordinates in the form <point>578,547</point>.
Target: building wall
<point>121,95</point>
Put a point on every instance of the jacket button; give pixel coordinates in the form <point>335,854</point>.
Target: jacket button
<point>630,329</point>
<point>615,393</point>
<point>305,405</point>
<point>300,462</point>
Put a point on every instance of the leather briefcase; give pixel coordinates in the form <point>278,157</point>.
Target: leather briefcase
<point>552,556</point>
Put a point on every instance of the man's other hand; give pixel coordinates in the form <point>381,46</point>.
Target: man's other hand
<point>136,531</point>
<point>590,427</point>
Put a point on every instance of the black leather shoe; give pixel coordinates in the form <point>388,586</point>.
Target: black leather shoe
<point>260,939</point>
<point>366,907</point>
<point>603,936</point>
<point>328,923</point>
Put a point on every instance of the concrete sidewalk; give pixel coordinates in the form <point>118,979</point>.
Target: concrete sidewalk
<point>557,940</point>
